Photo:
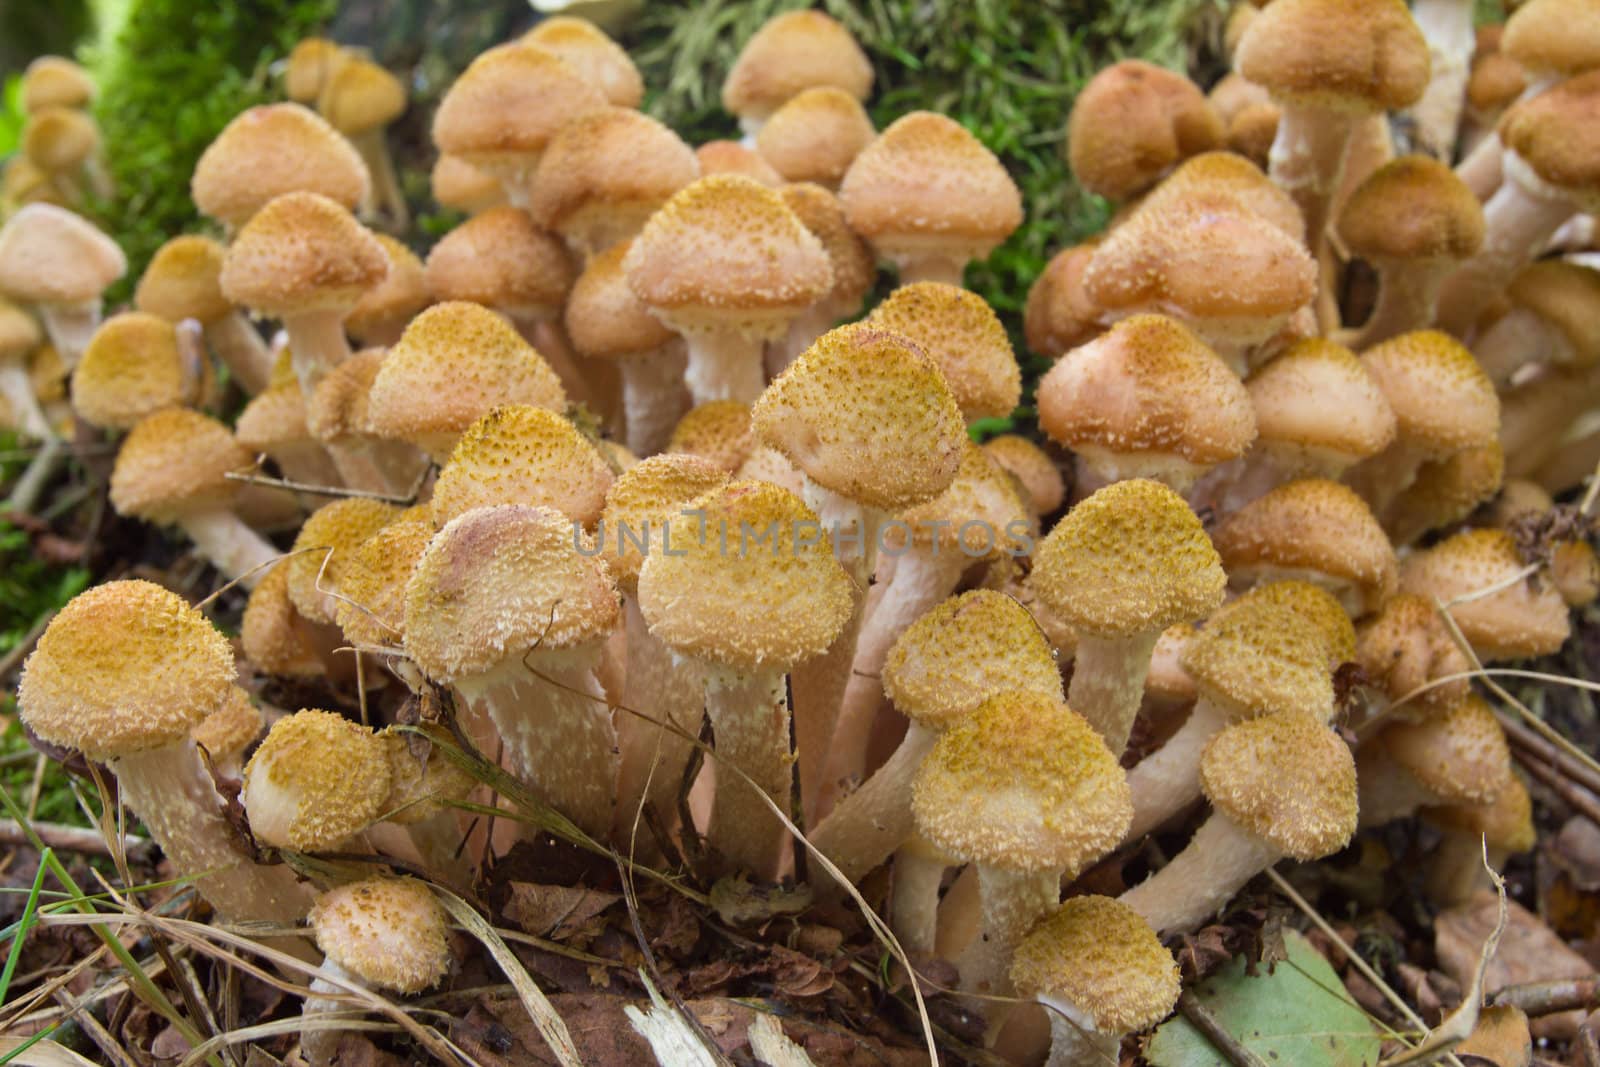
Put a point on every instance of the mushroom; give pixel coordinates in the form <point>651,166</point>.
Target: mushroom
<point>597,58</point>
<point>123,673</point>
<point>382,313</point>
<point>459,185</point>
<point>61,264</point>
<point>1446,491</point>
<point>65,144</point>
<point>930,229</point>
<point>322,551</point>
<point>1249,117</point>
<point>360,99</point>
<point>183,281</point>
<point>1281,785</point>
<point>854,273</point>
<point>1447,26</point>
<point>1537,415</point>
<point>339,416</point>
<point>1501,828</point>
<point>964,338</point>
<point>731,157</point>
<point>1555,308</point>
<point>520,454</point>
<point>274,423</point>
<point>310,63</point>
<point>1496,82</point>
<point>19,336</point>
<point>55,81</point>
<point>316,782</point>
<point>790,53</point>
<point>1519,620</point>
<point>718,430</point>
<point>268,151</point>
<point>1458,756</point>
<point>424,784</point>
<point>1133,122</point>
<point>276,638</point>
<point>816,136</point>
<point>726,264</point>
<point>134,366</point>
<point>172,470</point>
<point>1121,567</point>
<point>370,611</point>
<point>1059,316</point>
<point>225,734</point>
<point>1041,479</point>
<point>1405,648</point>
<point>1225,181</point>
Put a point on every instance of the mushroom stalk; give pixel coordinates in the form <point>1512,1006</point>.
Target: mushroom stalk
<point>869,824</point>
<point>321,1045</point>
<point>358,467</point>
<point>242,350</point>
<point>1484,168</point>
<point>1307,158</point>
<point>70,327</point>
<point>17,391</point>
<point>317,344</point>
<point>657,689</point>
<point>232,547</point>
<point>1200,880</point>
<point>724,365</point>
<point>917,878</point>
<point>307,463</point>
<point>1408,299</point>
<point>1108,676</point>
<point>1517,339</point>
<point>374,150</point>
<point>749,715</point>
<point>1387,790</point>
<point>1168,780</point>
<point>807,326</point>
<point>931,267</point>
<point>1457,871</point>
<point>652,398</point>
<point>1011,902</point>
<point>1074,1039</point>
<point>1447,27</point>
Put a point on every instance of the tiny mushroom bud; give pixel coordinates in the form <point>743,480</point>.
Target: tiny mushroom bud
<point>184,281</point>
<point>271,150</point>
<point>790,53</point>
<point>1132,123</point>
<point>61,264</point>
<point>1034,468</point>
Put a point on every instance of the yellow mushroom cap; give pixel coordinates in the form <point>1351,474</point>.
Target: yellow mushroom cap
<point>302,252</point>
<point>1059,316</point>
<point>373,585</point>
<point>816,135</point>
<point>866,414</point>
<point>1442,400</point>
<point>458,184</point>
<point>359,96</point>
<point>1407,646</point>
<point>1317,399</point>
<point>323,548</point>
<point>964,337</point>
<point>1100,956</point>
<point>1556,134</point>
<point>391,932</point>
<point>393,301</point>
<point>604,319</point>
<point>1506,821</point>
<point>1149,385</point>
<point>1414,208</point>
<point>644,502</point>
<point>508,104</point>
<point>422,780</point>
<point>499,258</point>
<point>718,430</point>
<point>1134,121</point>
<point>519,454</point>
<point>274,417</point>
<point>790,53</point>
<point>1022,783</point>
<point>183,281</point>
<point>605,173</point>
<point>124,667</point>
<point>273,635</point>
<point>1256,657</point>
<point>1130,559</point>
<point>173,461</point>
<point>1459,755</point>
<point>311,62</point>
<point>760,590</point>
<point>498,582</point>
<point>271,150</point>
<point>980,514</point>
<point>131,367</point>
<point>59,138</point>
<point>731,157</point>
<point>54,81</point>
<point>1314,604</point>
<point>1519,621</point>
<point>1553,37</point>
<point>455,362</point>
<point>726,250</point>
<point>926,180</point>
<point>50,255</point>
<point>339,407</point>
<point>964,651</point>
<point>1033,467</point>
<point>597,58</point>
<point>317,780</point>
<point>1285,778</point>
<point>854,271</point>
<point>1567,296</point>
<point>1360,55</point>
<point>230,729</point>
<point>1228,180</point>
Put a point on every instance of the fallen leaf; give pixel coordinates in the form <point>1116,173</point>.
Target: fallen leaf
<point>739,902</point>
<point>1529,952</point>
<point>1500,1040</point>
<point>556,912</point>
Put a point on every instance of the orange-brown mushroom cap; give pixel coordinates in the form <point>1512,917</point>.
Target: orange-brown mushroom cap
<point>597,58</point>
<point>1442,400</point>
<point>816,136</point>
<point>391,932</point>
<point>645,503</point>
<point>1518,621</point>
<point>1317,406</point>
<point>962,334</point>
<point>1365,55</point>
<point>1132,123</point>
<point>183,281</point>
<point>132,367</point>
<point>499,258</point>
<point>508,103</point>
<point>520,454</point>
<point>271,150</point>
<point>173,461</point>
<point>790,53</point>
<point>302,252</point>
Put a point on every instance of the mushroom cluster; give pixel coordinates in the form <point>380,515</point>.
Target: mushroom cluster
<point>687,554</point>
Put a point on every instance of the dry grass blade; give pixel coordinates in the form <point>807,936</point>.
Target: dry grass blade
<point>772,1046</point>
<point>44,1053</point>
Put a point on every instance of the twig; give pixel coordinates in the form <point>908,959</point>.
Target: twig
<point>1548,998</point>
<point>1521,736</point>
<point>1578,798</point>
<point>1588,1041</point>
<point>65,838</point>
<point>1201,1019</point>
<point>406,498</point>
<point>13,659</point>
<point>102,1038</point>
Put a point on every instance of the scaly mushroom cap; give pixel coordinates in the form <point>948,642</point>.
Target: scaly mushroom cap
<point>604,319</point>
<point>373,585</point>
<point>1441,399</point>
<point>274,642</point>
<point>1553,37</point>
<point>866,414</point>
<point>390,932</point>
<point>854,271</point>
<point>456,362</point>
<point>1317,606</point>
<point>323,548</point>
<point>53,81</point>
<point>1133,122</point>
<point>230,729</point>
<point>926,181</point>
<point>962,334</point>
<point>124,667</point>
<point>1407,646</point>
<point>1447,491</point>
<point>59,138</point>
<point>508,104</point>
<point>339,406</point>
<point>1059,316</point>
<point>1260,657</point>
<point>1517,622</point>
<point>605,173</point>
<point>302,252</point>
<point>1285,778</point>
<point>498,582</point>
<point>458,184</point>
<point>718,430</point>
<point>790,53</point>
<point>1350,55</point>
<point>1496,82</point>
<point>731,157</point>
<point>981,514</point>
<point>725,251</point>
<point>644,503</point>
<point>276,416</point>
<point>183,281</point>
<point>1414,208</point>
<point>19,333</point>
<point>1460,756</point>
<point>964,651</point>
<point>131,368</point>
<point>520,454</point>
<point>317,780</point>
<point>1316,527</point>
<point>816,136</point>
<point>393,301</point>
<point>1567,296</point>
<point>500,259</point>
<point>311,62</point>
<point>1507,821</point>
<point>597,58</point>
<point>174,461</point>
<point>1130,559</point>
<point>1100,956</point>
<point>1033,467</point>
<point>1228,179</point>
<point>271,150</point>
<point>1022,783</point>
<point>773,598</point>
<point>421,783</point>
<point>1557,135</point>
<point>1317,401</point>
<point>49,255</point>
<point>1149,385</point>
<point>359,96</point>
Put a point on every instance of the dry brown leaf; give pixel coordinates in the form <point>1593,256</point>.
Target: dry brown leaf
<point>559,913</point>
<point>1500,1040</point>
<point>1528,952</point>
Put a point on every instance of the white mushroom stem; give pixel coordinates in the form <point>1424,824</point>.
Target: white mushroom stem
<point>749,715</point>
<point>1386,790</point>
<point>1012,902</point>
<point>1577,234</point>
<point>17,390</point>
<point>70,326</point>
<point>1074,1039</point>
<point>869,824</point>
<point>1220,858</point>
<point>723,365</point>
<point>931,265</point>
<point>807,326</point>
<point>317,344</point>
<point>1108,676</point>
<point>1519,338</point>
<point>1518,220</point>
<point>1408,299</point>
<point>232,547</point>
<point>652,397</point>
<point>1483,169</point>
<point>172,793</point>
<point>1307,159</point>
<point>915,909</point>
<point>242,350</point>
<point>1168,780</point>
<point>1381,479</point>
<point>319,1044</point>
<point>374,150</point>
<point>960,915</point>
<point>660,688</point>
<point>1447,27</point>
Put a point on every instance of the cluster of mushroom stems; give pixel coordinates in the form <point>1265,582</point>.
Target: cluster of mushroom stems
<point>621,465</point>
